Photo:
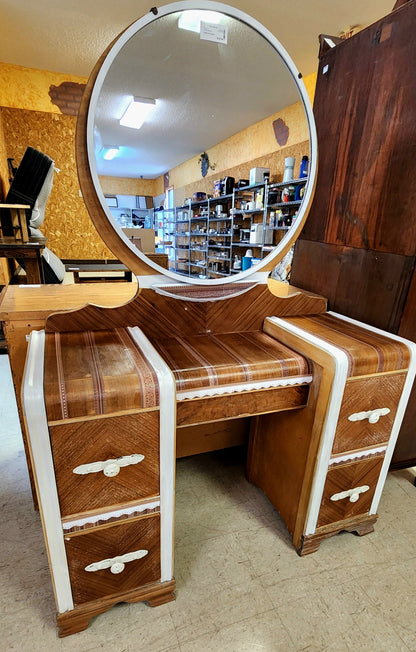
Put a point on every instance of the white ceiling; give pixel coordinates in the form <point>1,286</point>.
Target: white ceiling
<point>68,36</point>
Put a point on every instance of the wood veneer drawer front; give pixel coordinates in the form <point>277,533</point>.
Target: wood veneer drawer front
<point>349,490</point>
<point>131,556</point>
<point>95,443</point>
<point>240,404</point>
<point>356,430</point>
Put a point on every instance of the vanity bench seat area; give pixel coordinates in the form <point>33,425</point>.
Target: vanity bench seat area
<point>106,407</point>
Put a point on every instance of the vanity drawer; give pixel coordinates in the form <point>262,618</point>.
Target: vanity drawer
<point>130,552</point>
<point>94,443</point>
<point>365,395</point>
<point>359,475</point>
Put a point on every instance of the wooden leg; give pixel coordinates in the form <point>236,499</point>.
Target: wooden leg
<point>161,599</point>
<point>311,543</point>
<point>78,619</point>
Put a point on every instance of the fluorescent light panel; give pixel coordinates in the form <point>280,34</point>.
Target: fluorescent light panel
<point>191,20</point>
<point>137,112</point>
<point>109,152</point>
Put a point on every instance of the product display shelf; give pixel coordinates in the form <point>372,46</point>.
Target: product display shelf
<point>202,230</point>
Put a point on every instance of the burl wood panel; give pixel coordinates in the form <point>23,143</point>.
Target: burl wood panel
<point>343,477</point>
<point>370,286</point>
<point>83,442</point>
<point>240,404</point>
<point>364,111</point>
<point>162,317</point>
<point>361,396</point>
<point>108,542</point>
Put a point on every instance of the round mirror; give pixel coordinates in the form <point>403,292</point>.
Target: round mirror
<point>196,145</point>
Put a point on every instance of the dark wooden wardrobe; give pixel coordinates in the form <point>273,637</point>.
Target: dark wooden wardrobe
<point>358,246</point>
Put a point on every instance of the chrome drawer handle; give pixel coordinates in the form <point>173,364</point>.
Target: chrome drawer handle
<point>352,494</point>
<point>372,415</point>
<point>116,564</point>
<point>110,468</point>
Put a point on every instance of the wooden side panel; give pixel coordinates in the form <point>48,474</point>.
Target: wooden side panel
<point>366,285</point>
<point>84,442</point>
<point>366,189</point>
<point>342,478</point>
<point>109,542</point>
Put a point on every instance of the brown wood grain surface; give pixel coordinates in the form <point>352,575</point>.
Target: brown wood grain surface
<point>370,286</point>
<point>240,404</point>
<point>367,352</point>
<point>364,395</point>
<point>229,358</point>
<point>99,440</point>
<point>96,372</point>
<point>342,478</point>
<point>163,317</point>
<point>108,542</point>
<point>363,107</point>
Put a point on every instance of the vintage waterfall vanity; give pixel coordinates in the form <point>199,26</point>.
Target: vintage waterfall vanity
<point>109,394</point>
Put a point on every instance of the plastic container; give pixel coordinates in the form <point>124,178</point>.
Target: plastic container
<point>289,167</point>
<point>304,167</point>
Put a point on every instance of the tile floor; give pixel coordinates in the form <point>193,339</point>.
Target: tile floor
<point>240,585</point>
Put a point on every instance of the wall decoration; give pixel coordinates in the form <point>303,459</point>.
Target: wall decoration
<point>281,132</point>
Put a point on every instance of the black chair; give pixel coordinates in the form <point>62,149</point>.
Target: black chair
<point>31,185</point>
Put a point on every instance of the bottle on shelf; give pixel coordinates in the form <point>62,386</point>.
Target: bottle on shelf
<point>289,167</point>
<point>304,166</point>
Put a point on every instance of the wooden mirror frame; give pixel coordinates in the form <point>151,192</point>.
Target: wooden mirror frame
<point>93,196</point>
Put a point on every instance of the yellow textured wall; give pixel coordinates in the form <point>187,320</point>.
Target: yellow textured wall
<point>125,186</point>
<point>28,88</point>
<point>250,145</point>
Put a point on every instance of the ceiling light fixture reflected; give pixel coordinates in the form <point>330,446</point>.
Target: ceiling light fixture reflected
<point>109,152</point>
<point>137,112</point>
<point>191,20</point>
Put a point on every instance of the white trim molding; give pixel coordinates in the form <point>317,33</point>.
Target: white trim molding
<point>167,407</point>
<point>43,469</point>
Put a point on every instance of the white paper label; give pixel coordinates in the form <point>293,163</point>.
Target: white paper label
<point>213,32</point>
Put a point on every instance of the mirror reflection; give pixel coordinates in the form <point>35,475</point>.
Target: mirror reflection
<point>210,179</point>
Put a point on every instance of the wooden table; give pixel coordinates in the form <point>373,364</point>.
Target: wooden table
<point>30,252</point>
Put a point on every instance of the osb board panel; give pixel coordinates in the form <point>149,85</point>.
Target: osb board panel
<point>67,225</point>
<point>4,172</point>
<point>274,161</point>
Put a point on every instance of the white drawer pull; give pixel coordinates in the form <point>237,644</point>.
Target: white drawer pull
<point>116,564</point>
<point>352,494</point>
<point>110,468</point>
<point>372,415</point>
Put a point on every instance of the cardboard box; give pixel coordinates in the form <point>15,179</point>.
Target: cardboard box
<point>257,175</point>
<point>145,236</point>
